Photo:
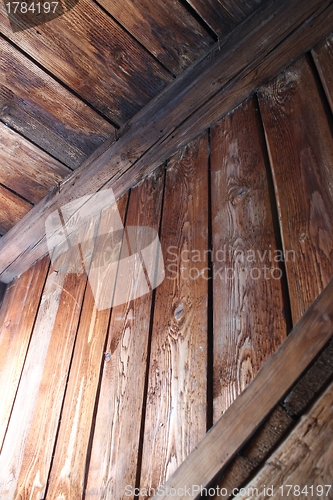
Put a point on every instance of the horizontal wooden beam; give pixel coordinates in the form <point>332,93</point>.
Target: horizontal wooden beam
<point>241,420</point>
<point>246,58</point>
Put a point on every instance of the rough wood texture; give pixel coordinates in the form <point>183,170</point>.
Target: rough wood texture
<point>67,474</point>
<point>301,154</point>
<point>12,209</point>
<point>248,304</point>
<point>42,110</point>
<point>323,57</point>
<point>244,416</point>
<point>223,15</point>
<point>115,446</point>
<point>85,36</point>
<point>18,312</point>
<point>175,418</point>
<point>304,459</point>
<point>165,28</point>
<point>25,169</point>
<point>152,126</point>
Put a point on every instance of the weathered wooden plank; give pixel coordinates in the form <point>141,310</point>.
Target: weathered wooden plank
<point>115,445</point>
<point>39,441</point>
<point>244,416</point>
<point>85,37</point>
<point>17,316</point>
<point>42,110</point>
<point>248,304</point>
<point>323,57</point>
<point>68,470</point>
<point>301,154</point>
<point>12,209</point>
<point>175,418</point>
<point>165,28</point>
<point>303,460</point>
<point>25,169</point>
<point>150,136</point>
<point>223,15</point>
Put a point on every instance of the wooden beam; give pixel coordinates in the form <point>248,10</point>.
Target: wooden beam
<point>249,53</point>
<point>245,415</point>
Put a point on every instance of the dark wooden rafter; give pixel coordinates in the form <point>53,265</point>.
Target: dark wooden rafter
<point>269,389</point>
<point>244,60</point>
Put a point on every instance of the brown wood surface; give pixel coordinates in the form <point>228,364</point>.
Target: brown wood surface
<point>165,28</point>
<point>41,109</point>
<point>323,57</point>
<point>12,209</point>
<point>301,153</point>
<point>115,446</point>
<point>244,416</point>
<point>41,436</point>
<point>66,479</point>
<point>223,15</point>
<point>25,169</point>
<point>95,57</point>
<point>163,115</point>
<point>305,458</point>
<point>18,312</point>
<point>175,419</point>
<point>248,304</point>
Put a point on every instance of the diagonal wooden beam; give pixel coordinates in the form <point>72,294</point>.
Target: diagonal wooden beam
<point>243,417</point>
<point>254,52</point>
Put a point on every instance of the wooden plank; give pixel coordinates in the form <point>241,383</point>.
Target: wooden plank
<point>25,169</point>
<point>17,316</point>
<point>223,15</point>
<point>301,154</point>
<point>304,459</point>
<point>244,416</point>
<point>85,37</point>
<point>248,303</point>
<point>41,109</point>
<point>175,418</point>
<point>12,209</point>
<point>165,28</point>
<point>323,57</point>
<point>115,446</point>
<point>67,475</point>
<point>29,443</point>
<point>150,137</point>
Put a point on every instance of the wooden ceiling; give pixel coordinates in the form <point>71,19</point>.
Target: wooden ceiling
<point>69,84</point>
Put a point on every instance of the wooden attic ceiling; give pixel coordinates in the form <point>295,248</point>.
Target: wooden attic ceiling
<point>72,89</point>
<point>69,84</point>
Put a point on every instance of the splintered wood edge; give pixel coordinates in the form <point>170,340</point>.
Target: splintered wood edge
<point>236,426</point>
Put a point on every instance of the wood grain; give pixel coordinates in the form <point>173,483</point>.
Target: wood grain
<point>175,418</point>
<point>84,38</point>
<point>223,15</point>
<point>165,28</point>
<point>149,139</point>
<point>115,446</point>
<point>39,108</point>
<point>66,479</point>
<point>25,169</point>
<point>301,154</point>
<point>323,57</point>
<point>247,280</point>
<point>17,316</point>
<point>244,416</point>
<point>305,458</point>
<point>41,436</point>
<point>12,209</point>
